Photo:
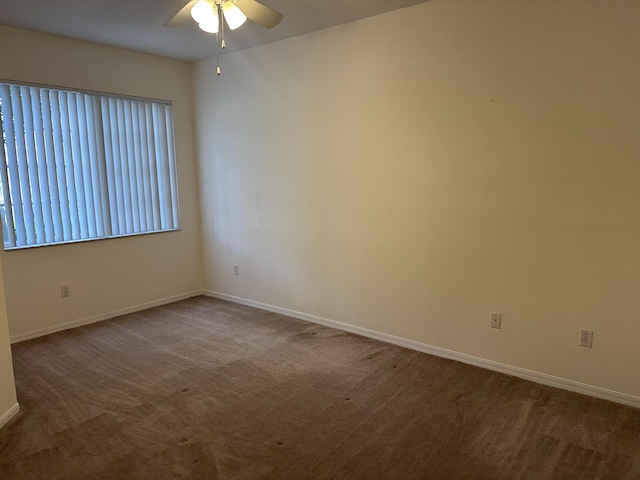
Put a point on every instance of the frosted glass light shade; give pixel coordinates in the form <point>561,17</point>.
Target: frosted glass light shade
<point>210,26</point>
<point>232,15</point>
<point>203,12</point>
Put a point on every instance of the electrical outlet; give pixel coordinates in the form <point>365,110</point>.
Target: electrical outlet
<point>236,270</point>
<point>65,291</point>
<point>586,338</point>
<point>496,320</point>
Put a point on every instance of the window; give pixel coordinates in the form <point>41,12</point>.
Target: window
<point>78,166</point>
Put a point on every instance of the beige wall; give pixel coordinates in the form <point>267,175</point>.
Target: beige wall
<point>412,172</point>
<point>109,275</point>
<point>7,384</point>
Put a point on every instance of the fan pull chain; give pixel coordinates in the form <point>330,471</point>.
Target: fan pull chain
<point>221,29</point>
<point>217,56</point>
<point>221,17</point>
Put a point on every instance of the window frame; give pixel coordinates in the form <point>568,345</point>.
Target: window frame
<point>164,132</point>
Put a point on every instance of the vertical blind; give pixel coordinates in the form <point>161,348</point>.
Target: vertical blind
<point>78,166</point>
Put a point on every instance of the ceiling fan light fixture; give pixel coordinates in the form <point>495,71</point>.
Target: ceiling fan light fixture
<point>210,26</point>
<point>203,12</point>
<point>232,14</point>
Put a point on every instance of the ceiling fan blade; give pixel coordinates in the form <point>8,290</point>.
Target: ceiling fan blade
<point>259,13</point>
<point>182,16</point>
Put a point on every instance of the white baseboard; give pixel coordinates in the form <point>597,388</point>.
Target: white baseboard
<point>98,318</point>
<point>7,416</point>
<point>525,374</point>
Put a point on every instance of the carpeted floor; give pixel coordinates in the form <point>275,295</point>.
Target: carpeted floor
<point>206,389</point>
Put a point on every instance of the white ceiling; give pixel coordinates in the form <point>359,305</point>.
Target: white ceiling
<point>138,24</point>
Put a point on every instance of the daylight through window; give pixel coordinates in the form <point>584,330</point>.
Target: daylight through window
<point>77,166</point>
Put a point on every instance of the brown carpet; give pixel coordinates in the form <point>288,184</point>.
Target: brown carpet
<point>206,389</point>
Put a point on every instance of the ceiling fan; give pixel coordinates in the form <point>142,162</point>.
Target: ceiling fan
<point>209,14</point>
<point>212,14</point>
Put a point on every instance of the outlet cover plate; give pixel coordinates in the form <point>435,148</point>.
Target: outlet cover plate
<point>586,338</point>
